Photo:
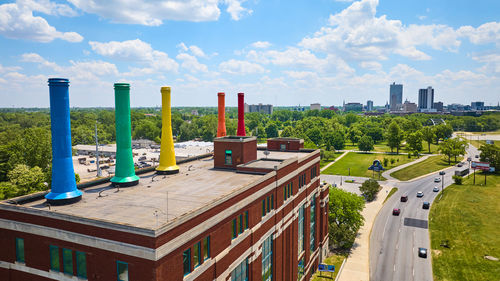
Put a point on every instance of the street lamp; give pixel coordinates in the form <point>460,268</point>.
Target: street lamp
<point>442,173</point>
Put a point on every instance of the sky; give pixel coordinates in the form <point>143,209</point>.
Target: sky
<point>280,52</point>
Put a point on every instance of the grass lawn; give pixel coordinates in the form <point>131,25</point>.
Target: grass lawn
<point>382,147</point>
<point>323,162</point>
<point>359,163</point>
<point>393,190</point>
<point>467,216</point>
<point>429,165</point>
<point>331,260</point>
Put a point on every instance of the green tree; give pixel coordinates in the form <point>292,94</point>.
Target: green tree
<point>272,130</point>
<point>146,129</point>
<point>338,141</point>
<point>8,190</point>
<point>491,153</point>
<point>414,143</point>
<point>452,148</point>
<point>287,132</point>
<point>443,132</point>
<point>188,131</point>
<point>32,148</point>
<point>369,189</point>
<point>27,179</point>
<point>365,144</point>
<point>354,134</point>
<point>428,135</point>
<point>315,135</point>
<point>394,136</point>
<point>344,217</point>
<point>457,179</point>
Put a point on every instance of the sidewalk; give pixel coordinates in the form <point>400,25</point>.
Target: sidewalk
<point>387,174</point>
<point>357,266</point>
<point>335,160</point>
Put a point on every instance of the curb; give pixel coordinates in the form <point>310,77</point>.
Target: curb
<point>340,270</point>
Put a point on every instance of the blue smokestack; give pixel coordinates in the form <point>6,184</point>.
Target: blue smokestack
<point>63,189</point>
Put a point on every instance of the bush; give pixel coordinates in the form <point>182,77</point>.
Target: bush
<point>458,180</point>
<point>386,162</point>
<point>369,189</point>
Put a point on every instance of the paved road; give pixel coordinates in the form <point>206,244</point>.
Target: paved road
<point>394,245</point>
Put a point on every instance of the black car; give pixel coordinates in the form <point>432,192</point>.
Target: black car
<point>426,205</point>
<point>422,252</point>
<point>404,198</point>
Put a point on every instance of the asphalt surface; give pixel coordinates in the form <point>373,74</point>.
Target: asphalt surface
<point>394,244</point>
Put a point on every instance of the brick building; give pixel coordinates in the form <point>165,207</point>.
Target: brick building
<point>243,215</point>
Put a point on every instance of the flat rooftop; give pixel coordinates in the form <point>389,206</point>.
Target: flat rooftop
<point>146,206</point>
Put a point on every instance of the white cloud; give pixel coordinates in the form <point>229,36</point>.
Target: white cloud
<point>371,65</point>
<point>191,63</point>
<point>241,67</point>
<point>491,62</point>
<point>484,34</point>
<point>17,21</point>
<point>356,33</point>
<point>261,45</point>
<point>136,51</point>
<point>195,50</point>
<point>153,13</point>
<point>235,9</point>
<point>4,69</point>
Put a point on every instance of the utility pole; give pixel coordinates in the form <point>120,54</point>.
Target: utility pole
<point>99,173</point>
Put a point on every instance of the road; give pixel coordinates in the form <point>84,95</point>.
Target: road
<point>394,243</point>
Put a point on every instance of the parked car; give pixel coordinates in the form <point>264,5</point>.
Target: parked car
<point>435,189</point>
<point>420,194</point>
<point>396,211</point>
<point>426,205</point>
<point>404,198</point>
<point>460,164</point>
<point>437,179</point>
<point>422,252</point>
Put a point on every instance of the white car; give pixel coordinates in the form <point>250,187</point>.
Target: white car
<point>420,194</point>
<point>437,179</point>
<point>435,189</point>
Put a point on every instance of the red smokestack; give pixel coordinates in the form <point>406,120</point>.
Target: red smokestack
<point>241,115</point>
<point>221,129</point>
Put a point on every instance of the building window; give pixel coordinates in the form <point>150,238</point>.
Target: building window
<point>229,157</point>
<point>282,147</point>
<point>206,247</point>
<point>313,172</point>
<point>81,265</point>
<point>240,273</point>
<point>54,258</point>
<point>267,259</point>
<point>20,250</point>
<point>267,204</point>
<point>300,270</point>
<point>302,180</point>
<point>197,254</point>
<point>287,191</point>
<point>313,223</point>
<point>301,230</point>
<point>186,261</point>
<point>68,261</point>
<point>122,270</point>
<point>240,224</point>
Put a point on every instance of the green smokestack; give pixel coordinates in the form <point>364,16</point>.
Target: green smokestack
<point>124,171</point>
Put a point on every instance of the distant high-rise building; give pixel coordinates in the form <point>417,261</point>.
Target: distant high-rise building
<point>395,95</point>
<point>426,99</point>
<point>369,105</point>
<point>353,106</point>
<point>262,108</point>
<point>438,106</point>
<point>315,106</point>
<point>477,105</point>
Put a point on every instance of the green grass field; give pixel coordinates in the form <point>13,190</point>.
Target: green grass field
<point>323,163</point>
<point>382,147</point>
<point>429,165</point>
<point>468,217</point>
<point>331,260</point>
<point>359,163</point>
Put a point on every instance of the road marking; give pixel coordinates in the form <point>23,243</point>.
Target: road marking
<point>397,246</point>
<point>413,272</point>
<point>394,267</point>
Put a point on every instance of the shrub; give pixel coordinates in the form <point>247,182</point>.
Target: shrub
<point>369,189</point>
<point>458,180</point>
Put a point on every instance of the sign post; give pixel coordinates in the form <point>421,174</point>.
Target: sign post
<point>326,268</point>
<point>484,166</point>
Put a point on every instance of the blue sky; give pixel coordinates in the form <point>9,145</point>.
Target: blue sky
<point>275,51</point>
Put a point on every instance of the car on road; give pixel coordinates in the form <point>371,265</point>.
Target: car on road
<point>426,205</point>
<point>420,194</point>
<point>460,164</point>
<point>435,189</point>
<point>404,198</point>
<point>422,252</point>
<point>477,156</point>
<point>437,179</point>
<point>396,211</point>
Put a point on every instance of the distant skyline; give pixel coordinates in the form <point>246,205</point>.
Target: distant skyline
<point>282,53</point>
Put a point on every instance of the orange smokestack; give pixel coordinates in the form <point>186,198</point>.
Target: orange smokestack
<point>221,129</point>
<point>241,115</point>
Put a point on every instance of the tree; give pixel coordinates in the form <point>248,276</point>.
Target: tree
<point>344,217</point>
<point>354,134</point>
<point>491,153</point>
<point>27,179</point>
<point>386,162</point>
<point>146,129</point>
<point>272,130</point>
<point>32,148</point>
<point>443,132</point>
<point>452,148</point>
<point>8,190</point>
<point>287,132</point>
<point>394,136</point>
<point>369,189</point>
<point>376,133</point>
<point>428,135</point>
<point>457,179</point>
<point>414,143</point>
<point>365,144</point>
<point>327,155</point>
<point>315,135</point>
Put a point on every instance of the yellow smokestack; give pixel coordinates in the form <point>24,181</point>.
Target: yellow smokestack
<point>167,153</point>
